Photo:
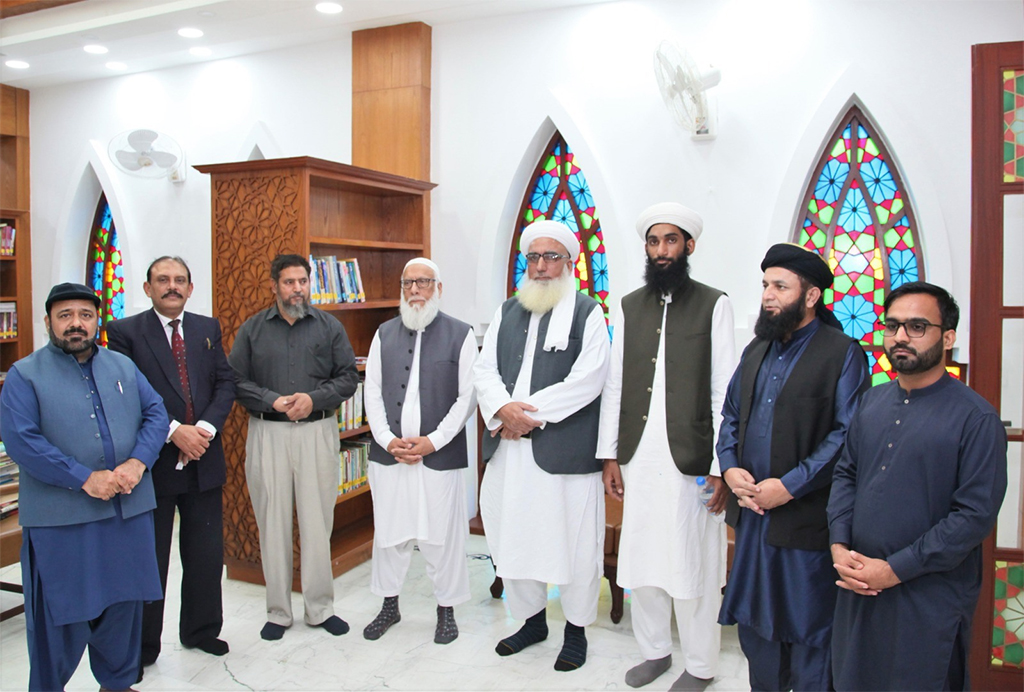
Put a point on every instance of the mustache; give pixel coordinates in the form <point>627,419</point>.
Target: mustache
<point>75,330</point>
<point>904,347</point>
<point>172,292</point>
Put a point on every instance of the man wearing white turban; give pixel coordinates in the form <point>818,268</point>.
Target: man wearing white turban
<point>419,395</point>
<point>539,380</point>
<point>672,356</point>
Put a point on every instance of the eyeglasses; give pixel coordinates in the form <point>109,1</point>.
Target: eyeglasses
<point>422,283</point>
<point>915,329</point>
<point>534,257</point>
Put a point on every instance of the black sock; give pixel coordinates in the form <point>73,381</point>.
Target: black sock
<point>574,649</point>
<point>335,625</point>
<point>533,631</point>
<point>272,631</point>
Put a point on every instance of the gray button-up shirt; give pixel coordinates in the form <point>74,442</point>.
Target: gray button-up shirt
<point>272,358</point>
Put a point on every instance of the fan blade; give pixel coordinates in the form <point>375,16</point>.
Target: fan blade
<point>163,158</point>
<point>142,140</point>
<point>128,160</point>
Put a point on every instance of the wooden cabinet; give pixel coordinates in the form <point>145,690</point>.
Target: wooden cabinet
<point>16,268</point>
<point>307,206</point>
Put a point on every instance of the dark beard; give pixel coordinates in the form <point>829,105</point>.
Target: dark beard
<point>779,327</point>
<point>65,344</point>
<point>918,361</point>
<point>667,281</point>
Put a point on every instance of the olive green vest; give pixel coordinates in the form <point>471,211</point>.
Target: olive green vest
<point>687,373</point>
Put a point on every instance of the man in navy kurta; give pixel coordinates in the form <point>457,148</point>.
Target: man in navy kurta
<point>915,493</point>
<point>784,422</point>
<point>84,426</point>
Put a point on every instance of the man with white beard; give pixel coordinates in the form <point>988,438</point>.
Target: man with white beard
<point>539,380</point>
<point>419,378</point>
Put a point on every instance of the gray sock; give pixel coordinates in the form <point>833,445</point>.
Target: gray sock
<point>648,671</point>
<point>689,683</point>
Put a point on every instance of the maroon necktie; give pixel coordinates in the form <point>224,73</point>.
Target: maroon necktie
<point>178,347</point>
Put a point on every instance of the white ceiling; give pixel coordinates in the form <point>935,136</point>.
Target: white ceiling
<point>142,34</point>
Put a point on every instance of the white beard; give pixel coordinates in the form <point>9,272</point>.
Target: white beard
<point>540,297</point>
<point>415,318</point>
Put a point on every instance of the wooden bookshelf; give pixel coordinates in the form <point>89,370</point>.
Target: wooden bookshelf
<point>16,270</point>
<point>307,206</point>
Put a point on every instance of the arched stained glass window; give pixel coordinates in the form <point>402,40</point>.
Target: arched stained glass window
<point>104,268</point>
<point>857,215</point>
<point>559,191</point>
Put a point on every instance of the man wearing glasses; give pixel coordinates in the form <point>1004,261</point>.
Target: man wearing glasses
<point>539,381</point>
<point>917,490</point>
<point>784,423</point>
<point>419,395</point>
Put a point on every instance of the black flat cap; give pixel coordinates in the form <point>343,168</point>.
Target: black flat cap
<point>806,263</point>
<point>68,291</point>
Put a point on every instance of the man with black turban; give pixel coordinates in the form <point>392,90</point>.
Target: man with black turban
<point>783,427</point>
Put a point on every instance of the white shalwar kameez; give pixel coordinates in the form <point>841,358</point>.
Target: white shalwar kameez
<point>412,504</point>
<point>671,548</point>
<point>544,528</point>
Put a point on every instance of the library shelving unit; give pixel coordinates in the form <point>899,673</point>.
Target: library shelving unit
<point>307,206</point>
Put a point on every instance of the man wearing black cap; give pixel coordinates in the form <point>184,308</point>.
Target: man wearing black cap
<point>784,424</point>
<point>84,426</point>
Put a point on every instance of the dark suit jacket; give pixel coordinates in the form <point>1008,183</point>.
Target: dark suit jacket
<point>211,379</point>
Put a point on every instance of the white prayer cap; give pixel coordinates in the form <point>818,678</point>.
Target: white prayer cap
<point>670,212</point>
<point>550,229</point>
<point>425,262</point>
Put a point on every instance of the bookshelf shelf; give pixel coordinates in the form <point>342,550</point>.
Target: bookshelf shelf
<point>355,432</point>
<point>373,244</point>
<point>16,268</point>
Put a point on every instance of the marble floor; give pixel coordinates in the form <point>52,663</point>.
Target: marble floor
<point>405,658</point>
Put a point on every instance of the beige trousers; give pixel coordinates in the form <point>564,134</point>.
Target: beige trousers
<point>285,461</point>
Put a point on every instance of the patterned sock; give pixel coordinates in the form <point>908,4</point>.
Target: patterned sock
<point>646,672</point>
<point>446,631</point>
<point>335,625</point>
<point>387,616</point>
<point>272,631</point>
<point>535,630</point>
<point>574,649</point>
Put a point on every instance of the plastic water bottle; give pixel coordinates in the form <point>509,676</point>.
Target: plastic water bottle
<point>705,490</point>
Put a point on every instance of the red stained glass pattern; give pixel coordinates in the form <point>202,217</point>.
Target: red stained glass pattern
<point>105,268</point>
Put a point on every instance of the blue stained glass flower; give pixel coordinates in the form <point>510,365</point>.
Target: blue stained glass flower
<point>97,276</point>
<point>563,214</point>
<point>856,315</point>
<point>580,190</point>
<point>878,179</point>
<point>117,306</point>
<point>543,192</point>
<point>854,215</point>
<point>599,263</point>
<point>902,267</point>
<point>831,181</point>
<point>520,268</point>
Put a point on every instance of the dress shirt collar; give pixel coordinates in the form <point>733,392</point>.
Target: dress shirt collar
<point>935,387</point>
<point>164,320</point>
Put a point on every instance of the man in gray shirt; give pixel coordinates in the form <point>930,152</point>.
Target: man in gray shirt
<point>294,365</point>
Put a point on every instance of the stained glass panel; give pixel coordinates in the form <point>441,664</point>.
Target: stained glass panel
<point>1013,126</point>
<point>1008,621</point>
<point>105,268</point>
<point>856,217</point>
<point>560,192</point>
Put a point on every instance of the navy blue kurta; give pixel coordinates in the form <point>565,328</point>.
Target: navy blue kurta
<point>784,594</point>
<point>919,484</point>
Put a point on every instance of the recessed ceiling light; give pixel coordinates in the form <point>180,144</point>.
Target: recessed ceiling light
<point>328,7</point>
<point>95,49</point>
<point>189,32</point>
<point>117,66</point>
<point>17,64</point>
<point>201,51</point>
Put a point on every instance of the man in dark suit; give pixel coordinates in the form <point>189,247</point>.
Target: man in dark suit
<point>180,353</point>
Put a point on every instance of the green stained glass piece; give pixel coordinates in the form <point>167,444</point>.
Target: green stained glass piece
<point>839,148</point>
<point>879,378</point>
<point>860,156</point>
<point>819,239</point>
<point>865,284</point>
<point>1008,151</point>
<point>568,167</point>
<point>550,163</point>
<point>812,206</point>
<point>877,338</point>
<point>842,284</point>
<point>883,214</point>
<point>593,242</point>
<point>528,216</point>
<point>866,243</point>
<point>1007,101</point>
<point>1014,654</point>
<point>870,147</point>
<point>1000,590</point>
<point>891,237</point>
<point>897,205</point>
<point>803,236</point>
<point>1015,574</point>
<point>1020,84</point>
<point>830,296</point>
<point>842,242</point>
<point>879,296</point>
<point>826,215</point>
<point>587,219</point>
<point>1020,167</point>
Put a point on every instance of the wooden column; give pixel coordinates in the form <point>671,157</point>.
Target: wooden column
<point>391,99</point>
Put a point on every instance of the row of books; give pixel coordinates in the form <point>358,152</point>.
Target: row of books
<point>7,240</point>
<point>8,469</point>
<point>350,414</point>
<point>335,281</point>
<point>355,456</point>
<point>8,320</point>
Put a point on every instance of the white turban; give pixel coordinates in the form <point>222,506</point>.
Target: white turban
<point>550,229</point>
<point>670,212</point>
<point>425,262</point>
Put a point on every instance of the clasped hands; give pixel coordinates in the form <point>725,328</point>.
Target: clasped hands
<point>757,497</point>
<point>191,441</point>
<point>103,485</point>
<point>296,406</point>
<point>410,450</point>
<point>514,421</point>
<point>862,575</point>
